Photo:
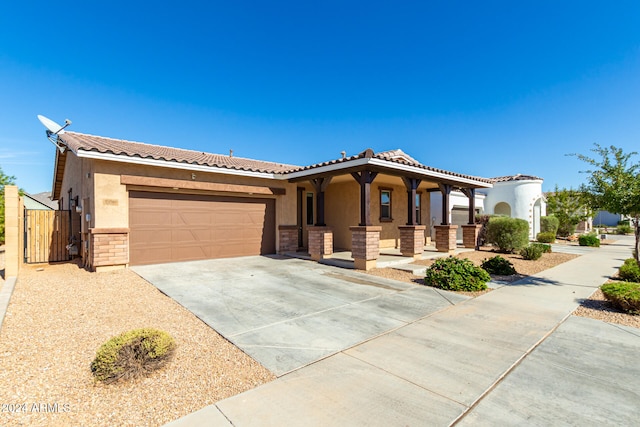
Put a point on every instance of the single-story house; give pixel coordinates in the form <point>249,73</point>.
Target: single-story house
<point>517,196</point>
<point>139,203</point>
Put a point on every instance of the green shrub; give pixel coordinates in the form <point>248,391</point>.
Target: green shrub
<point>624,295</point>
<point>624,222</point>
<point>531,252</point>
<point>549,224</point>
<point>546,249</point>
<point>132,354</point>
<point>567,229</point>
<point>498,265</point>
<point>508,234</point>
<point>546,237</point>
<point>623,229</point>
<point>629,271</point>
<point>455,274</point>
<point>589,239</point>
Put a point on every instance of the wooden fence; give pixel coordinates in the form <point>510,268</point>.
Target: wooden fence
<point>46,236</point>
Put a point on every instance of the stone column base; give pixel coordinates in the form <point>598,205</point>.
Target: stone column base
<point>412,240</point>
<point>287,238</point>
<point>365,246</point>
<point>446,238</point>
<point>470,235</point>
<point>109,247</point>
<point>320,242</point>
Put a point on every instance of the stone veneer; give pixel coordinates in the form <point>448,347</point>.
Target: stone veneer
<point>446,238</point>
<point>109,248</point>
<point>412,240</point>
<point>470,235</point>
<point>365,246</point>
<point>320,242</point>
<point>287,238</point>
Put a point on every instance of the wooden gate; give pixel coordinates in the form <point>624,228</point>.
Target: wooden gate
<point>46,236</point>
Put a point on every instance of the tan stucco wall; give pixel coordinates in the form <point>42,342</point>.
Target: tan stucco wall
<point>342,202</point>
<point>13,231</point>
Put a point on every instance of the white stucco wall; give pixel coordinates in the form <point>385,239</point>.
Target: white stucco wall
<point>525,199</point>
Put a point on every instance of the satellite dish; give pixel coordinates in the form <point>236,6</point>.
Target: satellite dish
<point>53,130</point>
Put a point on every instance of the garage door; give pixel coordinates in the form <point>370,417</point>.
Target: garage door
<point>459,217</point>
<point>181,227</point>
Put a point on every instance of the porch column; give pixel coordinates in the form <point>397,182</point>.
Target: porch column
<point>320,185</point>
<point>365,246</point>
<point>412,240</point>
<point>287,238</point>
<point>471,230</point>
<point>320,242</point>
<point>412,185</point>
<point>446,238</point>
<point>365,178</point>
<point>445,233</point>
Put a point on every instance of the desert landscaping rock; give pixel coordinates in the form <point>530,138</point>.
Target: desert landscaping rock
<point>57,319</point>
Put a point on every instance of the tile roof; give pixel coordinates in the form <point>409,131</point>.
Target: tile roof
<point>91,143</point>
<point>80,141</point>
<point>518,177</point>
<point>393,156</point>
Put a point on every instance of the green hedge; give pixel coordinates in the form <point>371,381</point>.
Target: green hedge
<point>498,265</point>
<point>630,271</point>
<point>624,295</point>
<point>508,234</point>
<point>549,224</point>
<point>455,274</point>
<point>589,239</point>
<point>546,237</point>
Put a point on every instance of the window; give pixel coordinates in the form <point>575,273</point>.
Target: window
<point>309,208</point>
<point>385,205</point>
<point>418,220</point>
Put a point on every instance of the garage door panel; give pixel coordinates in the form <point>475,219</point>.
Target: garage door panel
<point>175,227</point>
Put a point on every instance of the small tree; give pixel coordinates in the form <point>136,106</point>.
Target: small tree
<point>614,185</point>
<point>4,180</point>
<point>569,207</point>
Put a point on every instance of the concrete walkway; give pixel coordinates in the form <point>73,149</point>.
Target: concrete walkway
<point>510,357</point>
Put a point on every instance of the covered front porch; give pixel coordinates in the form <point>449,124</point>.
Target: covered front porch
<point>374,206</point>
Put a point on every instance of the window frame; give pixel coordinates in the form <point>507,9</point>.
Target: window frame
<point>390,204</point>
<point>309,208</point>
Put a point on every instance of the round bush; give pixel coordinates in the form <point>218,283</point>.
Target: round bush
<point>508,234</point>
<point>531,252</point>
<point>589,239</point>
<point>455,274</point>
<point>132,354</point>
<point>624,295</point>
<point>498,265</point>
<point>629,271</point>
<point>546,249</point>
<point>549,224</point>
<point>546,237</point>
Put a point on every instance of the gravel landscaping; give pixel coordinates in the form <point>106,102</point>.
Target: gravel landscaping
<point>58,317</point>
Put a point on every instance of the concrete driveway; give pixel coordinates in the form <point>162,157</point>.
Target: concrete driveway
<point>287,313</point>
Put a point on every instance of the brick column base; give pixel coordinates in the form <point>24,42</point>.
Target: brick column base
<point>287,238</point>
<point>365,246</point>
<point>320,242</point>
<point>446,238</point>
<point>470,235</point>
<point>412,240</point>
<point>108,248</point>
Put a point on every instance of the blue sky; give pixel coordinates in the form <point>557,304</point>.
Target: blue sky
<point>483,88</point>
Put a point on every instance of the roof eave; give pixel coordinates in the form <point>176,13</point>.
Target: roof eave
<point>96,155</point>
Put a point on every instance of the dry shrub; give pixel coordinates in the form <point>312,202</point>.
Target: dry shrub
<point>132,354</point>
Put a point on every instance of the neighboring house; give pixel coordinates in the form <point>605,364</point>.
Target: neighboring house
<point>607,219</point>
<point>139,204</point>
<point>517,196</point>
<point>39,201</point>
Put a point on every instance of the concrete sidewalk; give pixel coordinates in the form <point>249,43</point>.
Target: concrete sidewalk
<point>478,362</point>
